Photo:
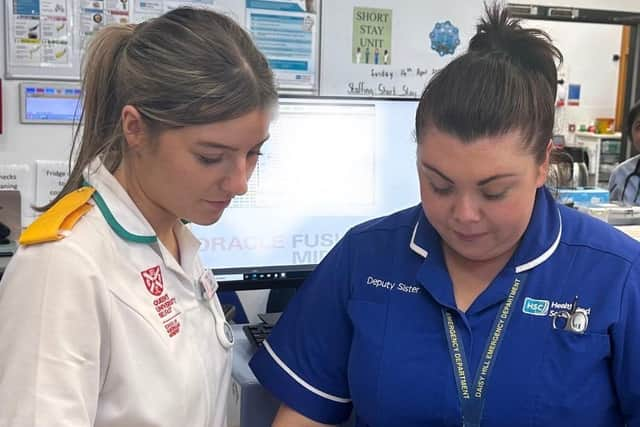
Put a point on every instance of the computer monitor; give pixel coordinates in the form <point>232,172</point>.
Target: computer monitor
<point>329,164</point>
<point>50,103</point>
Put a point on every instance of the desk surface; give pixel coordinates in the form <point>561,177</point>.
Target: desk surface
<point>631,230</point>
<point>616,135</point>
<point>250,404</point>
<point>243,350</point>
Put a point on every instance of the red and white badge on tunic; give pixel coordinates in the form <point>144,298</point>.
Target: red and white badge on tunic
<point>164,305</point>
<point>153,280</point>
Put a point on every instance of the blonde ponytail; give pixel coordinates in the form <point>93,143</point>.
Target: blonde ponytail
<point>186,67</point>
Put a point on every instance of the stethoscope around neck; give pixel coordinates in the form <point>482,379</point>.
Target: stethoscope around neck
<point>636,173</point>
<point>223,329</point>
<point>206,286</point>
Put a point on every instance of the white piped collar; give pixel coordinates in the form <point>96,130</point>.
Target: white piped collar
<point>539,242</point>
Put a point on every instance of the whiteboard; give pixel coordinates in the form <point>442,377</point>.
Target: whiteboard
<point>411,59</point>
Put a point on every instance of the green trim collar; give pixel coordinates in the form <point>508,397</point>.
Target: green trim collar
<point>115,225</point>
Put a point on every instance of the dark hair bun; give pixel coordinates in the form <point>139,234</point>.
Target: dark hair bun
<point>500,34</point>
<point>505,82</point>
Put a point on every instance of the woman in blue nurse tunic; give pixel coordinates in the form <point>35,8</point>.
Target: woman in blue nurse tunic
<point>486,305</point>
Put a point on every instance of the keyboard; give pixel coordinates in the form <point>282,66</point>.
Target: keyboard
<point>257,332</point>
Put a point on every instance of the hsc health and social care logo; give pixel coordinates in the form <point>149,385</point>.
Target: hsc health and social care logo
<point>535,307</point>
<point>566,316</point>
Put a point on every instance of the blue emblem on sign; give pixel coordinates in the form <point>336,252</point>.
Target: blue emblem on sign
<point>444,38</point>
<point>535,307</point>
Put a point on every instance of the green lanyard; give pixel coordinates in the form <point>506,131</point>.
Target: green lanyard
<point>472,395</point>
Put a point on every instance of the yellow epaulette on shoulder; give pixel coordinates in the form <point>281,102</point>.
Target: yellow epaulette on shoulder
<point>58,220</point>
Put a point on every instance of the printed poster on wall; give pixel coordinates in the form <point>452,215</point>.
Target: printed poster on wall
<point>286,32</point>
<point>40,33</point>
<point>371,36</point>
<point>198,4</point>
<point>149,7</point>
<point>95,14</point>
<point>146,9</point>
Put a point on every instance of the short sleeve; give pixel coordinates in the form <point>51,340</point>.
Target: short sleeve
<point>304,360</point>
<point>626,349</point>
<point>53,310</point>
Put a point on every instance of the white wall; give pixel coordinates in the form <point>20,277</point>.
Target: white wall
<point>588,51</point>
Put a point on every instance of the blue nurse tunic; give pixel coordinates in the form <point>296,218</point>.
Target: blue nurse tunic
<point>368,330</point>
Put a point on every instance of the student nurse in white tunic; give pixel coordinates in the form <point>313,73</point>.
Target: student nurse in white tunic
<point>107,316</point>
